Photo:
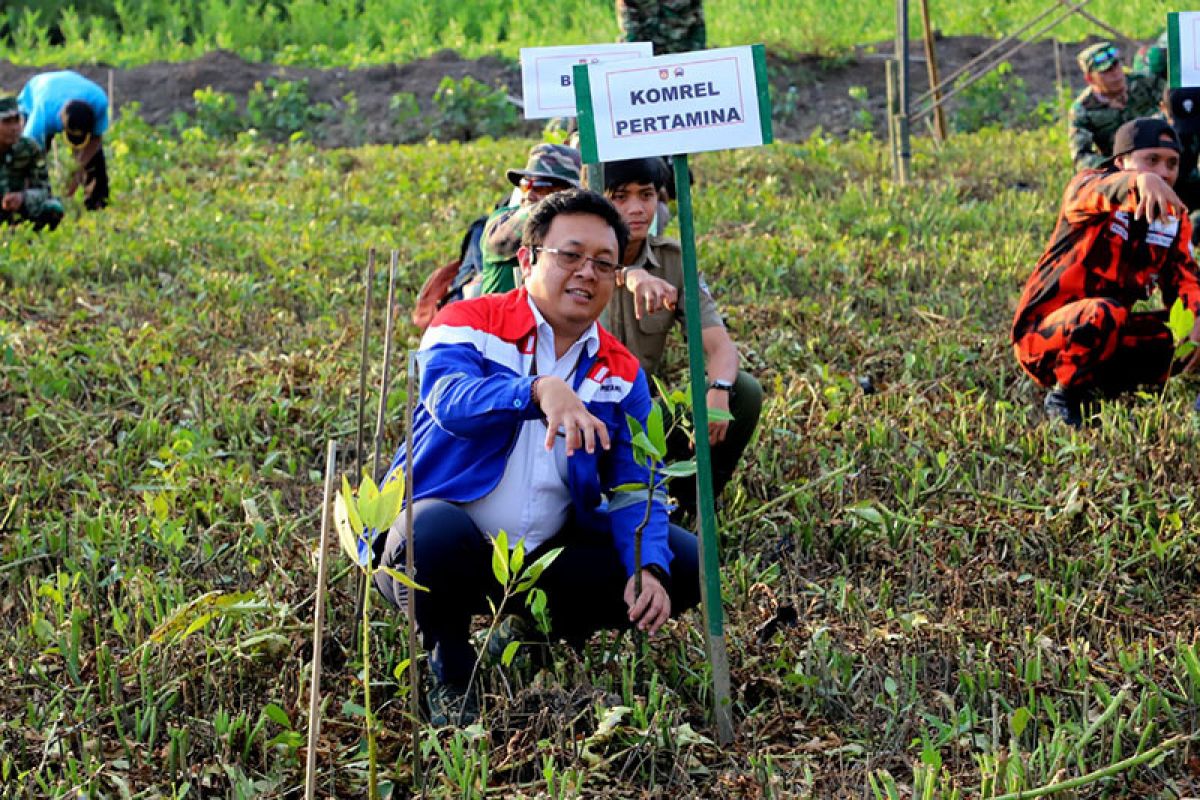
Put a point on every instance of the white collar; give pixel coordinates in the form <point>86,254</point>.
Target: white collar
<point>590,337</point>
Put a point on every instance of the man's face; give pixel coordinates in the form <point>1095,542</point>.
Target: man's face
<point>1162,161</point>
<point>10,131</point>
<point>637,204</point>
<point>534,190</point>
<point>1110,82</point>
<point>571,298</point>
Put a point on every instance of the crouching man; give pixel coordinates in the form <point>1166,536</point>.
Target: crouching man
<point>521,427</point>
<point>24,181</point>
<point>1122,233</point>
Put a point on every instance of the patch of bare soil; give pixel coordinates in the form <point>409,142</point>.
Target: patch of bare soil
<point>821,97</point>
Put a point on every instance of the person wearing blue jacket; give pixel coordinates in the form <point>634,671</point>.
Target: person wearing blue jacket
<point>66,102</point>
<point>522,427</point>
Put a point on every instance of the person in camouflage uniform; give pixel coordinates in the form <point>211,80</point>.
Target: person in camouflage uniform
<point>551,168</point>
<point>1111,99</point>
<point>1181,108</point>
<point>24,181</point>
<point>673,26</point>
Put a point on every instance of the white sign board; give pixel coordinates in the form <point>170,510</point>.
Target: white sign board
<point>1183,48</point>
<point>681,103</point>
<point>546,79</point>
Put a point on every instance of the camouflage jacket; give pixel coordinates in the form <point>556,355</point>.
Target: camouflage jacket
<point>23,169</point>
<point>1094,123</point>
<point>674,26</point>
<point>501,240</point>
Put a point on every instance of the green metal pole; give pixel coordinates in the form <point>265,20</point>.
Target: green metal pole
<point>710,567</point>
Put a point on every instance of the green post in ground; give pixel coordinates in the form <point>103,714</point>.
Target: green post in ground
<point>710,567</point>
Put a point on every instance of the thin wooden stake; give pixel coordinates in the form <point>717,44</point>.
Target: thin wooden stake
<point>940,130</point>
<point>362,367</point>
<point>380,422</point>
<point>314,689</point>
<point>414,681</point>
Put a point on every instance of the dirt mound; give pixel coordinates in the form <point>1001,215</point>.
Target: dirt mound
<point>821,95</point>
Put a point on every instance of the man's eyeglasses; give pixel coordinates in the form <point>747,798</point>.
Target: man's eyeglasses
<point>570,260</point>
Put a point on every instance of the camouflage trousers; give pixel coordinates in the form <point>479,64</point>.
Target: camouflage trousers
<point>1099,344</point>
<point>674,26</point>
<point>48,216</point>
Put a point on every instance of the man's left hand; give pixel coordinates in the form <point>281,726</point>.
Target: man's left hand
<point>13,201</point>
<point>652,608</point>
<point>650,293</point>
<point>717,399</point>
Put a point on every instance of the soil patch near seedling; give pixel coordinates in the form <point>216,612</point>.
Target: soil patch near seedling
<point>821,98</point>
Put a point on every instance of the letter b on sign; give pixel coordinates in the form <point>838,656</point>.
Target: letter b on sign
<point>565,80</point>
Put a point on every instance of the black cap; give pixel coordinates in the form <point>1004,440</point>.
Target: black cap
<point>1185,110</point>
<point>1141,134</point>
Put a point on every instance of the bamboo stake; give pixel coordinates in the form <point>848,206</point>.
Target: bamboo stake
<point>380,419</point>
<point>362,367</point>
<point>940,131</point>
<point>414,682</point>
<point>314,689</point>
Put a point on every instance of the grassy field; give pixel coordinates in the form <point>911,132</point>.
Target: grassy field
<point>352,32</point>
<point>984,604</point>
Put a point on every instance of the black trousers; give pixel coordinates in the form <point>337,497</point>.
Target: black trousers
<point>453,559</point>
<point>49,218</point>
<point>95,182</point>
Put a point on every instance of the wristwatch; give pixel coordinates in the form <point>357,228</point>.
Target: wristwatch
<point>721,386</point>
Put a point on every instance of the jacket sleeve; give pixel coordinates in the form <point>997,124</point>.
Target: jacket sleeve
<point>464,397</point>
<point>1096,192</point>
<point>627,508</point>
<point>34,177</point>
<point>1182,277</point>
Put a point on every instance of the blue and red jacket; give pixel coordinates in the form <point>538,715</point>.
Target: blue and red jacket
<point>476,369</point>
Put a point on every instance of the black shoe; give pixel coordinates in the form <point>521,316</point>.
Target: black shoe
<point>1062,406</point>
<point>451,705</point>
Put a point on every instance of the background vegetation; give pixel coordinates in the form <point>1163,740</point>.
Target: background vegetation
<point>359,32</point>
<point>929,591</point>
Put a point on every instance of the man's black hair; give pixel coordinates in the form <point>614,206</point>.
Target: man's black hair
<point>573,201</point>
<point>78,116</point>
<point>635,170</point>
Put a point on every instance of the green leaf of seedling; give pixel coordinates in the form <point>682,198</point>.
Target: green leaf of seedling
<point>668,398</point>
<point>517,559</point>
<point>368,499</point>
<point>719,415</point>
<point>1181,321</point>
<point>277,715</point>
<point>629,487</point>
<point>387,505</point>
<point>198,623</point>
<point>643,446</point>
<point>654,429</point>
<point>347,530</point>
<point>510,652</point>
<point>351,507</point>
<point>500,557</point>
<point>535,570</point>
<point>1184,349</point>
<point>399,576</point>
<point>400,668</point>
<point>680,469</point>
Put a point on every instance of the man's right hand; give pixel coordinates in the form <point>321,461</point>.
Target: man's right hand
<point>1156,199</point>
<point>650,293</point>
<point>13,201</point>
<point>563,409</point>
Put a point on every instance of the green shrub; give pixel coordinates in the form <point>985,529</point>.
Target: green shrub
<point>998,99</point>
<point>467,109</point>
<point>280,109</point>
<point>217,113</point>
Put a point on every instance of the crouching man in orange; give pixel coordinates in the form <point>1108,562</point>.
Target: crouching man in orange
<point>1122,232</point>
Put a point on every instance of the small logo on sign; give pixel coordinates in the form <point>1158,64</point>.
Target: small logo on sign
<point>664,73</point>
<point>679,72</point>
<point>1188,105</point>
